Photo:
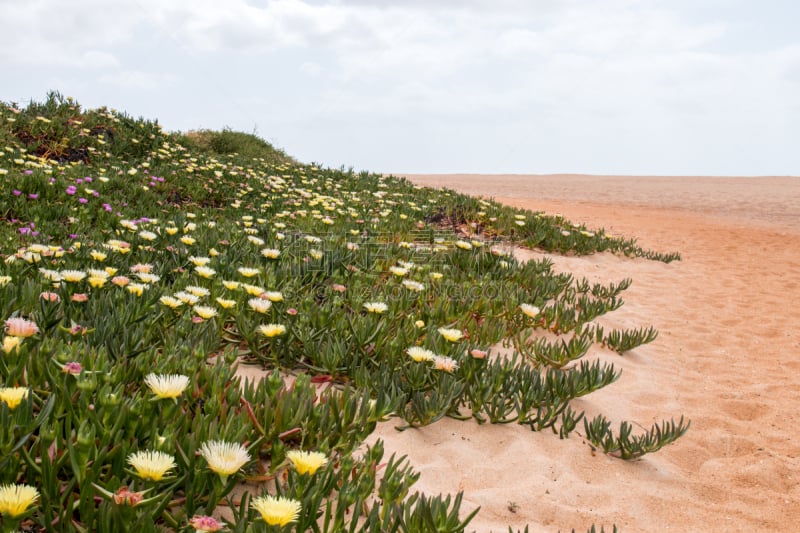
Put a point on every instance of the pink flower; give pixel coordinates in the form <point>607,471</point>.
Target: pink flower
<point>20,327</point>
<point>49,297</point>
<point>72,367</point>
<point>205,523</point>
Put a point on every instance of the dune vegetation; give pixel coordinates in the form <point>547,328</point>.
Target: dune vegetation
<point>140,268</point>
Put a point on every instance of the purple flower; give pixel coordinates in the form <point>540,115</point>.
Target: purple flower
<point>52,180</point>
<point>107,207</point>
<point>71,190</point>
<point>27,171</point>
<point>73,235</point>
<point>83,200</point>
<point>33,196</point>
<point>15,192</point>
<point>78,181</point>
<point>87,179</point>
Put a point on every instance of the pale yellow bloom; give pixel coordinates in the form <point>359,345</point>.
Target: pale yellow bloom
<point>270,253</point>
<point>452,335</point>
<point>185,297</point>
<point>151,464</point>
<point>169,301</point>
<point>136,288</point>
<point>98,256</point>
<point>225,303</point>
<point>529,310</point>
<point>376,307</point>
<point>258,305</point>
<point>199,261</point>
<point>167,385</point>
<point>5,280</point>
<point>420,354</point>
<point>97,281</point>
<point>147,277</point>
<point>277,511</point>
<point>224,458</point>
<point>205,272</point>
<point>272,330</point>
<point>187,240</point>
<point>398,271</point>
<point>272,296</point>
<point>194,290</point>
<point>11,343</point>
<point>306,462</point>
<point>231,285</point>
<point>248,272</point>
<point>72,276</point>
<point>13,396</point>
<point>16,499</point>
<point>204,311</point>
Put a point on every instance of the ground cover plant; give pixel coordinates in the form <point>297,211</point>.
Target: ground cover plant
<point>139,268</point>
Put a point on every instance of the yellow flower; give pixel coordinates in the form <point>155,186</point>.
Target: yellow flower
<point>16,499</point>
<point>148,235</point>
<point>98,256</point>
<point>13,396</point>
<point>11,343</point>
<point>231,285</point>
<point>136,288</point>
<point>147,277</point>
<point>226,304</point>
<point>97,281</point>
<point>188,241</point>
<point>258,305</point>
<point>151,464</point>
<point>413,285</point>
<point>272,330</point>
<point>20,327</point>
<point>224,458</point>
<point>205,272</point>
<point>273,296</point>
<point>167,385</point>
<point>419,354</point>
<point>248,272</point>
<point>172,230</point>
<point>199,261</point>
<point>306,462</point>
<point>376,307</point>
<point>185,297</point>
<point>194,290</point>
<point>452,335</point>
<point>420,323</point>
<point>72,276</point>
<point>436,275</point>
<point>464,245</point>
<point>276,511</point>
<point>398,271</point>
<point>169,301</point>
<point>204,311</point>
<point>4,280</point>
<point>529,310</point>
<point>253,290</point>
<point>270,253</point>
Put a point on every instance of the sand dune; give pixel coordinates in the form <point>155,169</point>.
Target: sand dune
<point>728,358</point>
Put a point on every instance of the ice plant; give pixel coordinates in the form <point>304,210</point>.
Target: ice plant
<point>247,271</point>
<point>272,330</point>
<point>276,511</point>
<point>452,335</point>
<point>419,354</point>
<point>20,327</point>
<point>447,364</point>
<point>16,499</point>
<point>258,305</point>
<point>167,386</point>
<point>529,310</point>
<point>72,276</point>
<point>151,464</point>
<point>13,396</point>
<point>205,523</point>
<point>306,462</point>
<point>376,307</point>
<point>204,311</point>
<point>224,458</point>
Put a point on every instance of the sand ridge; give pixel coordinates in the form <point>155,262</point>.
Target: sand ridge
<point>728,358</point>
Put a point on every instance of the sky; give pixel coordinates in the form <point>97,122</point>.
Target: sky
<point>641,87</point>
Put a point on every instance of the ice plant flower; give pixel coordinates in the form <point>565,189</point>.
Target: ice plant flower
<point>167,385</point>
<point>413,285</point>
<point>225,303</point>
<point>529,310</point>
<point>13,396</point>
<point>205,272</point>
<point>199,261</point>
<point>224,458</point>
<point>272,330</point>
<point>247,271</point>
<point>258,305</point>
<point>205,523</point>
<point>147,277</point>
<point>20,327</point>
<point>376,307</point>
<point>306,462</point>
<point>452,335</point>
<point>16,499</point>
<point>205,312</point>
<point>187,240</point>
<point>231,285</point>
<point>420,354</point>
<point>185,297</point>
<point>151,464</point>
<point>270,253</point>
<point>276,511</point>
<point>194,290</point>
<point>447,364</point>
<point>120,281</point>
<point>272,296</point>
<point>464,245</point>
<point>398,271</point>
<point>169,301</point>
<point>11,343</point>
<point>136,288</point>
<point>72,276</point>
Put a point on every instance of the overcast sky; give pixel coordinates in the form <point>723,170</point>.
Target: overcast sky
<point>524,86</point>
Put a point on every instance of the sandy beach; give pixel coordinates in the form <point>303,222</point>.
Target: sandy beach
<point>727,357</point>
